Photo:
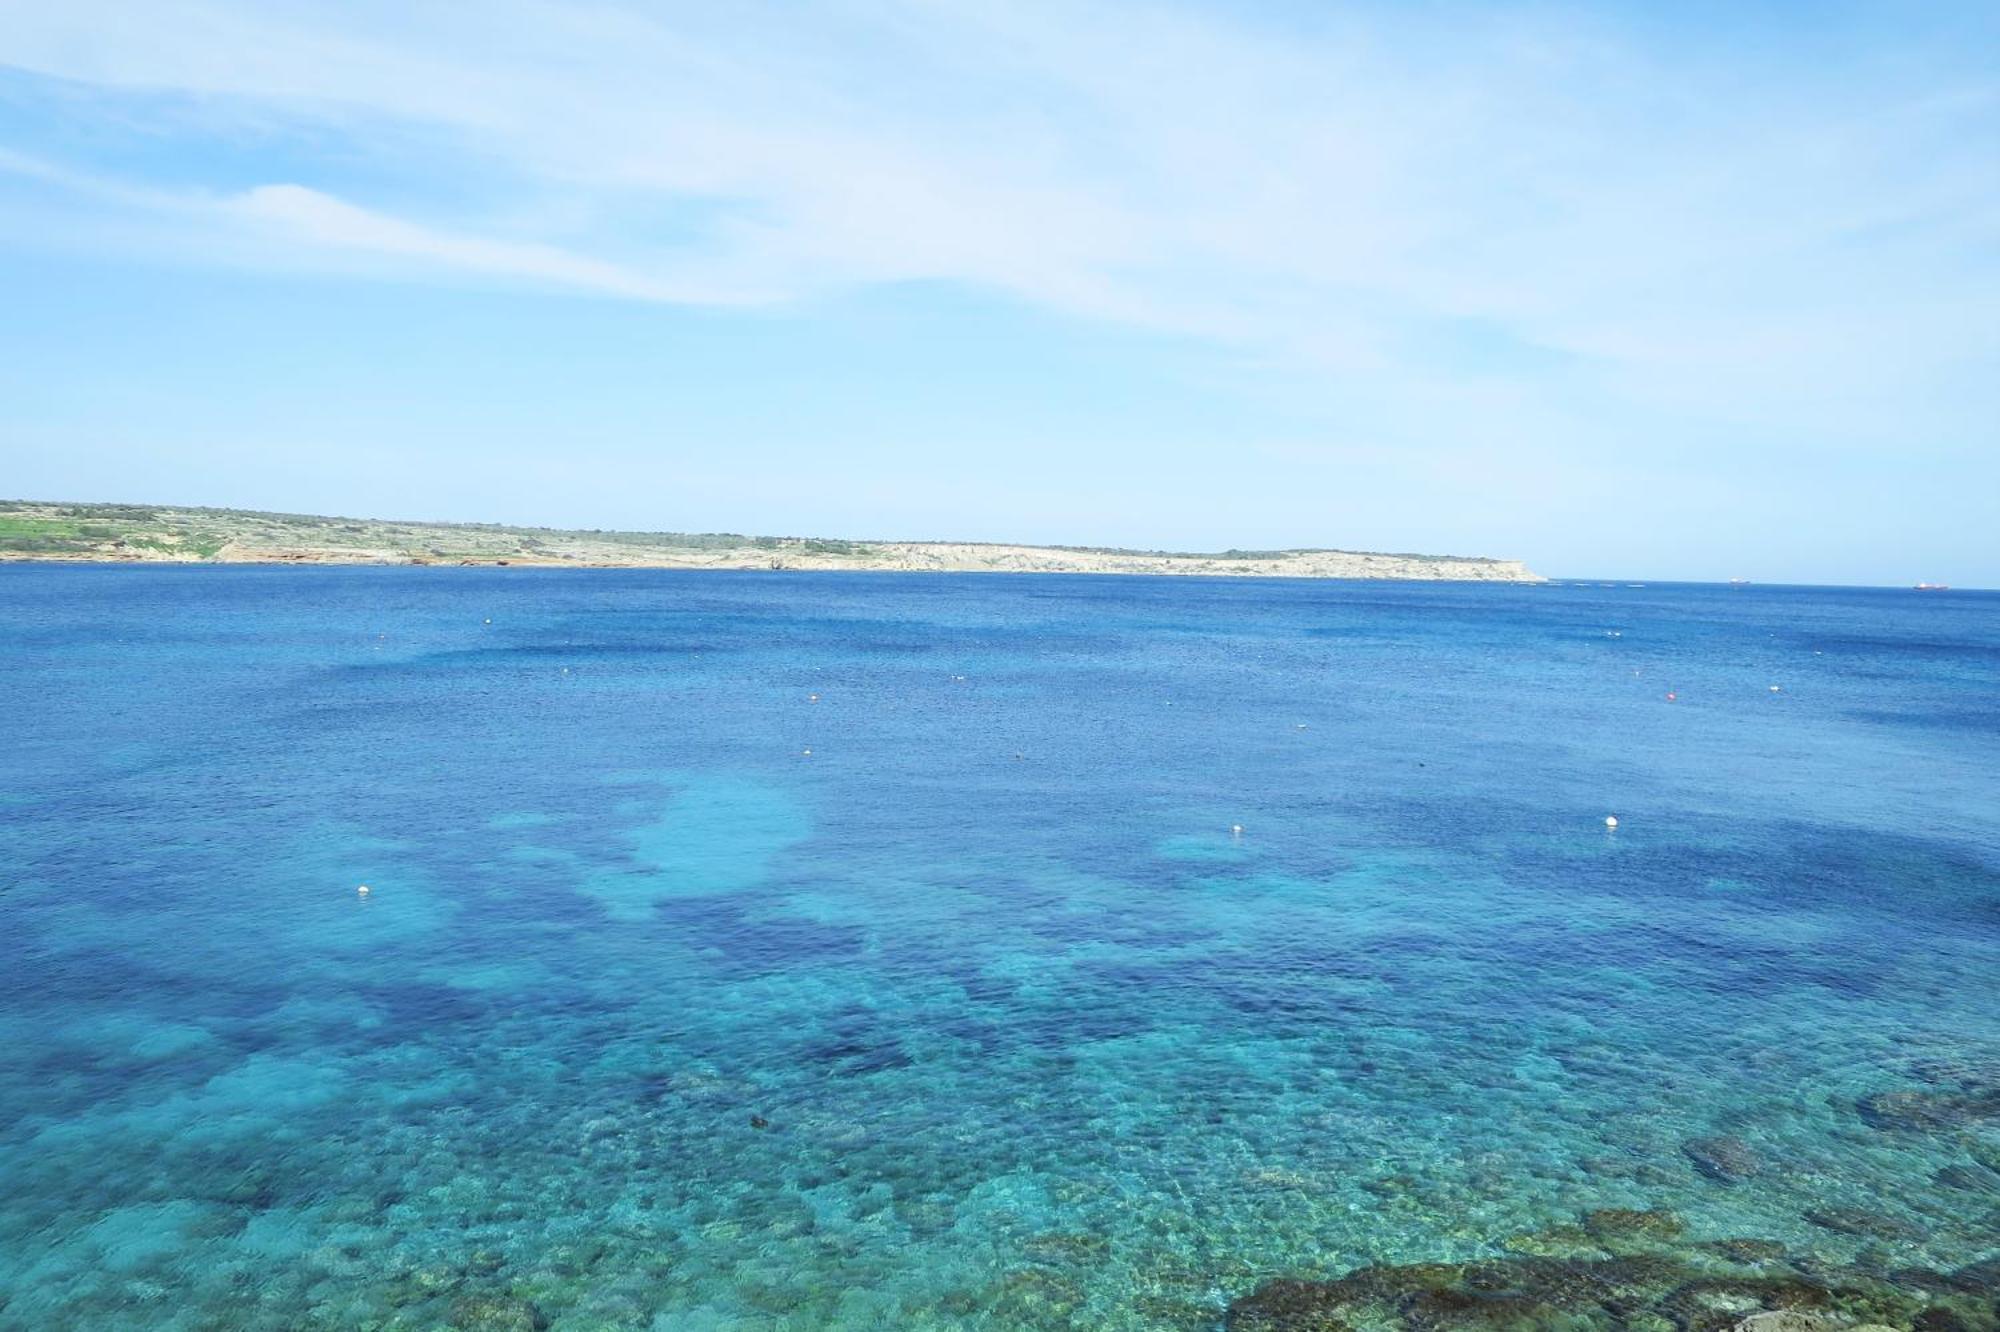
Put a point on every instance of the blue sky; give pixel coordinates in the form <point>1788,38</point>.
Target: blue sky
<point>1666,291</point>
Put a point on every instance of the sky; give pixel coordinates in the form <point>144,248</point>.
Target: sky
<point>1697,290</point>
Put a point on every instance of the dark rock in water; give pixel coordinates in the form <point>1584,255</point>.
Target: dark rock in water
<point>1791,1320</point>
<point>1523,1294</point>
<point>1439,1310</point>
<point>1922,1278</point>
<point>1972,1072</point>
<point>1929,1110</point>
<point>926,1216</point>
<point>1624,1223</point>
<point>496,1313</point>
<point>1712,1304</point>
<point>1554,1242</point>
<point>1910,1109</point>
<point>1987,1154</point>
<point>759,1122</point>
<point>1391,1186</point>
<point>1856,1221</point>
<point>1653,1291</point>
<point>1749,1251</point>
<point>1937,1318</point>
<point>1636,1281</point>
<point>1725,1158</point>
<point>1973,1179</point>
<point>1983,1277</point>
<point>1057,1246</point>
<point>1388,1285</point>
<point>255,1189</point>
<point>1286,1305</point>
<point>1034,1297</point>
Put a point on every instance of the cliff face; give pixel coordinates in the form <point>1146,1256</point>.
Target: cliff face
<point>119,532</point>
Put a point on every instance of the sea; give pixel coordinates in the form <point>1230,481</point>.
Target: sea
<point>764,950</point>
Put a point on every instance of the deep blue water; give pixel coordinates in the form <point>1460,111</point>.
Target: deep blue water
<point>978,1014</point>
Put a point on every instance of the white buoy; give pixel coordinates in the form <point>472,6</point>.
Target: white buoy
<point>809,753</point>
<point>812,698</point>
<point>1774,689</point>
<point>1235,830</point>
<point>362,890</point>
<point>1611,820</point>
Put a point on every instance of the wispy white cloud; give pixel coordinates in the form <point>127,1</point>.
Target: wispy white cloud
<point>319,219</point>
<point>1703,230</point>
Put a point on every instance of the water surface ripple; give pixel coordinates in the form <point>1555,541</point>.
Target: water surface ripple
<point>858,951</point>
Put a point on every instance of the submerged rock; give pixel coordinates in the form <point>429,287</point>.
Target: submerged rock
<point>1287,1305</point>
<point>1711,1304</point>
<point>496,1313</point>
<point>1856,1221</point>
<point>1034,1297</point>
<point>1919,1110</point>
<point>1983,1276</point>
<point>1972,1072</point>
<point>1554,1242</point>
<point>1986,1154</point>
<point>1620,1223</point>
<point>1790,1320</point>
<point>1061,1247</point>
<point>1653,1291</point>
<point>1437,1310</point>
<point>1923,1279</point>
<point>1530,1293</point>
<point>1972,1179</point>
<point>1724,1158</point>
<point>1747,1251</point>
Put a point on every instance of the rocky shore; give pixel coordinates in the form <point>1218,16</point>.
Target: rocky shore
<point>1619,1268</point>
<point>1631,1270</point>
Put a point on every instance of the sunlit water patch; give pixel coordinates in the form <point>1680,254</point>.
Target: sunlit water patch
<point>778,952</point>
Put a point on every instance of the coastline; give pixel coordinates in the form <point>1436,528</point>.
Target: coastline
<point>42,531</point>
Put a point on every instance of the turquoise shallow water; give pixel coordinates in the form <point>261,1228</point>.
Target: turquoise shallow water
<point>978,1014</point>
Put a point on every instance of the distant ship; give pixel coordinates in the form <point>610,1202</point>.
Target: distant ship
<point>1933,587</point>
<point>1738,582</point>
